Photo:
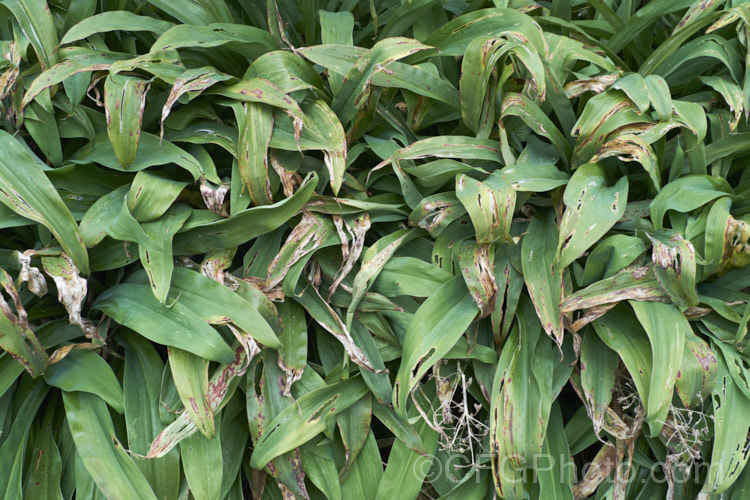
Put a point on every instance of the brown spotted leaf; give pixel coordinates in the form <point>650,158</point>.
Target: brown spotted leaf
<point>674,266</point>
<point>543,279</point>
<point>16,337</point>
<point>637,283</point>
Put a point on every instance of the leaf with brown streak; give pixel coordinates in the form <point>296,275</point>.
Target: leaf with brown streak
<point>604,464</point>
<point>224,379</point>
<point>628,147</point>
<point>477,265</point>
<point>597,85</point>
<point>306,237</point>
<point>637,283</point>
<point>329,319</point>
<point>434,213</point>
<point>356,227</point>
<point>124,101</point>
<point>490,204</point>
<point>675,266</point>
<point>71,291</point>
<point>193,81</point>
<point>543,279</point>
<point>16,338</point>
<point>32,275</point>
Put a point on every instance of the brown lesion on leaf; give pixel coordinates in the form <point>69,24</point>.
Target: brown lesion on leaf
<point>637,283</point>
<point>736,252</point>
<point>214,197</point>
<point>596,85</point>
<point>357,228</point>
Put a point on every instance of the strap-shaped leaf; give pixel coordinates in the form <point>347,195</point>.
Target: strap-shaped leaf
<point>543,279</point>
<point>674,266</point>
<point>85,371</point>
<point>190,374</point>
<point>112,468</point>
<point>435,329</point>
<point>136,307</point>
<point>16,337</point>
<point>730,447</point>
<point>116,20</point>
<point>591,209</point>
<point>124,100</point>
<point>25,189</point>
<point>666,349</point>
<point>299,423</point>
<point>212,234</point>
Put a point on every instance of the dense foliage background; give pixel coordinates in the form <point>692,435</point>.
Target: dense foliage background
<point>387,250</point>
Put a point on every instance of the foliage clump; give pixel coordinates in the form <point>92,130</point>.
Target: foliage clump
<point>388,250</point>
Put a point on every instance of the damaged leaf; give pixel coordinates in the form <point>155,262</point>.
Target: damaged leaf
<point>543,278</point>
<point>124,100</point>
<point>477,265</point>
<point>591,209</point>
<point>490,205</point>
<point>638,283</point>
<point>674,266</point>
<point>71,290</point>
<point>16,338</point>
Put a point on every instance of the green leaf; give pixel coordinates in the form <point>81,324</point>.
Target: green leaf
<point>698,371</point>
<point>686,194</point>
<point>76,61</point>
<point>490,204</point>
<point>591,210</point>
<point>13,448</point>
<point>217,304</point>
<point>252,152</point>
<point>730,452</point>
<point>44,474</point>
<point>294,338</point>
<point>152,151</point>
<point>27,191</point>
<point>535,178</point>
<point>17,339</point>
<point>113,470</point>
<point>158,259</point>
<point>301,422</point>
<point>202,463</point>
<point>598,371</point>
<point>543,279</point>
<point>141,385</point>
<point>212,234</point>
<point>437,325</point>
<point>190,374</point>
<point>406,469</point>
<point>611,255</point>
<point>150,195</point>
<point>452,38</point>
<point>666,349</point>
<point>477,69</point>
<point>135,307</point>
<point>213,35</point>
<point>354,88</point>
<point>86,371</point>
<point>36,22</point>
<point>620,331</point>
<point>117,20</point>
<point>124,101</point>
<point>221,387</point>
